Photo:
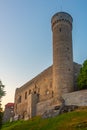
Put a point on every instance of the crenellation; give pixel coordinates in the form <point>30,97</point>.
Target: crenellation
<point>61,17</point>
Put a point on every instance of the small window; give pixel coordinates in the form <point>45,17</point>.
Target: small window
<point>60,29</point>
<point>34,92</point>
<point>19,99</point>
<point>69,69</point>
<point>67,48</point>
<point>25,95</point>
<point>52,93</point>
<point>29,92</point>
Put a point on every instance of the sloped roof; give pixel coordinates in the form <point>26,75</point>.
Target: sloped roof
<point>9,104</point>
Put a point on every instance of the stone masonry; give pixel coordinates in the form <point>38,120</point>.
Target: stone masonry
<point>46,90</point>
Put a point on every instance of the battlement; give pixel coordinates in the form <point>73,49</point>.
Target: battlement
<point>61,16</point>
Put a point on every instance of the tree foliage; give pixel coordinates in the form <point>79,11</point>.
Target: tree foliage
<point>1,115</point>
<point>2,93</point>
<point>82,78</point>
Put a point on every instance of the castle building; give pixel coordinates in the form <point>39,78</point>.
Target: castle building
<point>62,53</point>
<point>8,112</point>
<point>45,91</point>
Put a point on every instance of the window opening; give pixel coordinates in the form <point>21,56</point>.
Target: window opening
<point>19,99</point>
<point>25,95</point>
<point>60,29</point>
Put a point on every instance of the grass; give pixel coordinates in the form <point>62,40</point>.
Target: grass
<point>76,120</point>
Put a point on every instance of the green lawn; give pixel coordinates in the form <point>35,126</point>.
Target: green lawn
<point>76,120</point>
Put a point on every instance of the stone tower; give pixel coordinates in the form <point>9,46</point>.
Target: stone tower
<point>62,54</point>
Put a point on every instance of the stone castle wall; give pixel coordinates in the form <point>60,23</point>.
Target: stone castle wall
<point>41,88</point>
<point>78,98</point>
<point>46,89</point>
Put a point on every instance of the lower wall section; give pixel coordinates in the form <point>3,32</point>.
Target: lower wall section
<point>78,98</point>
<point>43,106</point>
<point>46,105</point>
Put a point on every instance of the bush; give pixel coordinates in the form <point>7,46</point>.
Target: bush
<point>0,120</point>
<point>82,78</point>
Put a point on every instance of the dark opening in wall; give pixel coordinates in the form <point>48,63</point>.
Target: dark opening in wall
<point>60,29</point>
<point>34,92</point>
<point>69,69</point>
<point>19,99</point>
<point>67,48</point>
<point>25,95</point>
<point>29,92</point>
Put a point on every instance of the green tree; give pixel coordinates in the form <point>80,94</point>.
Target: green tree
<point>82,77</point>
<point>2,93</point>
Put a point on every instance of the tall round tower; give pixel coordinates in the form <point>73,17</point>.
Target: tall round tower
<point>62,54</point>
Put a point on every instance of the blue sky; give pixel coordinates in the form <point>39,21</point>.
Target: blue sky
<point>26,38</point>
